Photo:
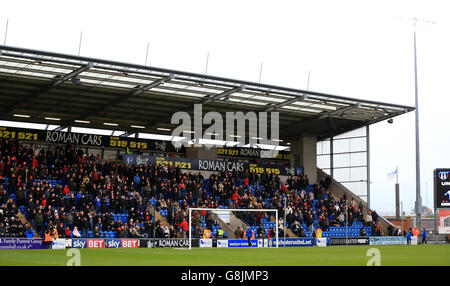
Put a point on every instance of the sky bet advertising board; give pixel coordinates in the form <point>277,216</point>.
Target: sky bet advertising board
<point>88,243</point>
<point>442,188</point>
<point>122,243</point>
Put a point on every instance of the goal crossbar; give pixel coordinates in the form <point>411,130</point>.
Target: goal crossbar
<point>232,210</point>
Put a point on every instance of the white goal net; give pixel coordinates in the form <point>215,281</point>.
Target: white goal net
<point>234,225</point>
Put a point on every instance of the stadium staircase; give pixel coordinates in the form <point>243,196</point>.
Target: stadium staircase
<point>338,190</point>
<point>162,219</point>
<point>21,215</point>
<point>290,233</point>
<point>24,221</point>
<point>231,227</point>
<point>287,229</point>
<point>235,222</point>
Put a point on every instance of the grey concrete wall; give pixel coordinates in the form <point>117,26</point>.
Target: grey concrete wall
<point>304,154</point>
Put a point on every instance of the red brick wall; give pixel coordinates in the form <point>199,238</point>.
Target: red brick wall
<point>406,223</point>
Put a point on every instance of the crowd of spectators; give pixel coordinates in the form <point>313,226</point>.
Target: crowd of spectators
<point>93,191</point>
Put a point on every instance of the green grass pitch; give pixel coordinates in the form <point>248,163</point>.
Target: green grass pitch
<point>394,255</point>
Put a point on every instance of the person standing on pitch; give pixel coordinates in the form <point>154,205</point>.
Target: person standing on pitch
<point>48,239</point>
<point>424,236</point>
<point>249,235</point>
<point>408,237</point>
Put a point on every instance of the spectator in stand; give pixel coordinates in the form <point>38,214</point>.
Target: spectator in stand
<point>350,218</point>
<point>296,228</point>
<point>141,232</point>
<point>67,232</point>
<point>122,233</point>
<point>378,227</point>
<point>362,232</point>
<point>29,233</point>
<point>302,233</point>
<point>85,226</point>
<point>166,231</point>
<point>76,233</point>
<point>184,227</point>
<point>96,232</point>
<point>374,216</point>
<point>260,231</point>
<point>60,230</point>
<point>341,219</point>
<point>133,231</point>
<point>368,219</point>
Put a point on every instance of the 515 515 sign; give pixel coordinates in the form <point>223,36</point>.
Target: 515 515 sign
<point>254,168</point>
<point>120,142</point>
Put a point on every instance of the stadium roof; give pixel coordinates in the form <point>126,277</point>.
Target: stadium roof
<point>47,87</point>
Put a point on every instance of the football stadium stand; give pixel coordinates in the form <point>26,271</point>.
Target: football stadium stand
<point>80,195</point>
<point>80,185</point>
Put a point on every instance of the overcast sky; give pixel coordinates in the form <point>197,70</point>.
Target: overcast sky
<point>360,49</point>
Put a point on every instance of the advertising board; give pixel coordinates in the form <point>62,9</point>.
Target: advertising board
<point>167,242</point>
<point>349,241</point>
<point>387,240</point>
<point>301,241</point>
<point>444,221</point>
<point>59,243</point>
<point>22,243</point>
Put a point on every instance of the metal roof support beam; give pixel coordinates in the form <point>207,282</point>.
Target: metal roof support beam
<point>332,124</point>
<point>72,74</point>
<point>37,93</point>
<point>224,94</point>
<point>329,114</point>
<point>128,96</point>
<point>152,85</point>
<point>338,111</point>
<point>271,107</point>
<point>127,133</point>
<point>61,127</point>
<point>360,125</point>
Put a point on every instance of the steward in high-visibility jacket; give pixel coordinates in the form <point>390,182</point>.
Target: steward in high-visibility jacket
<point>48,239</point>
<point>220,233</point>
<point>54,233</point>
<point>206,233</point>
<point>416,231</point>
<point>319,232</point>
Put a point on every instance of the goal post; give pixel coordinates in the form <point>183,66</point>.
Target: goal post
<point>230,211</point>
